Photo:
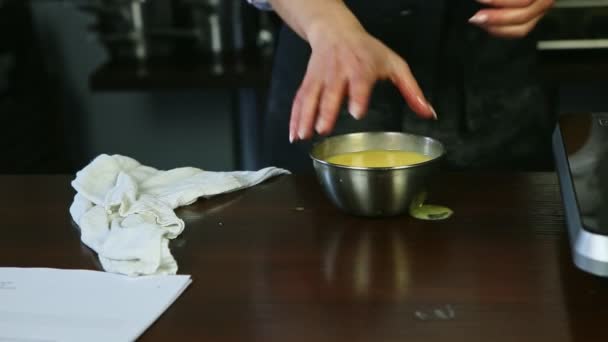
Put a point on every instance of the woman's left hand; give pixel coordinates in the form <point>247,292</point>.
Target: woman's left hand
<point>510,18</point>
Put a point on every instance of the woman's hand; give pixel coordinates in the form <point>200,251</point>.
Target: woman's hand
<point>346,62</point>
<point>510,18</point>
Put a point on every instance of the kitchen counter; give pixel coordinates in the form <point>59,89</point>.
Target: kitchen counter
<point>279,263</point>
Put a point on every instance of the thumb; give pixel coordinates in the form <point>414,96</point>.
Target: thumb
<point>404,80</point>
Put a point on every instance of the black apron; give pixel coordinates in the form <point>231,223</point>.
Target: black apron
<point>493,113</point>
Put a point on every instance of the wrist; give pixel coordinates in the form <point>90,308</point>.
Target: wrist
<point>334,17</point>
<point>323,28</point>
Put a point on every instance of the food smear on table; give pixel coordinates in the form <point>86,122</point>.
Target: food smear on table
<point>428,212</point>
<point>378,158</point>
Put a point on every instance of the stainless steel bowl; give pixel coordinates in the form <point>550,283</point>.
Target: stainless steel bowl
<point>375,192</point>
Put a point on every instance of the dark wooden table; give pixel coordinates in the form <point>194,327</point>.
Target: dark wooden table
<point>279,263</point>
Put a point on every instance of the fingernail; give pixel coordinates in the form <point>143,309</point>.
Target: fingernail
<point>479,18</point>
<point>355,110</point>
<point>302,135</point>
<point>428,105</point>
<point>290,137</point>
<point>434,112</point>
<point>319,126</point>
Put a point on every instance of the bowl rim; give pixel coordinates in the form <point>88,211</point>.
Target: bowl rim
<point>360,168</point>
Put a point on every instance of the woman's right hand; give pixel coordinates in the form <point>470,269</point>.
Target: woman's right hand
<point>346,61</point>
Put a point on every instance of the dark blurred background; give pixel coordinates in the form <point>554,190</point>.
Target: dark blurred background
<point>183,82</point>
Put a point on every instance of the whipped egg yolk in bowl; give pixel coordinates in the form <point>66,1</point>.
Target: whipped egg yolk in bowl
<point>376,174</point>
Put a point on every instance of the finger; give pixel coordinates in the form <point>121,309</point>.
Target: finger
<point>309,102</point>
<point>303,95</point>
<point>402,78</point>
<point>359,92</point>
<point>506,3</point>
<point>510,16</point>
<point>331,100</point>
<point>512,32</point>
<point>294,118</point>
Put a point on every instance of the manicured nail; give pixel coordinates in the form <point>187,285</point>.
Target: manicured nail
<point>302,135</point>
<point>479,18</point>
<point>355,110</point>
<point>319,125</point>
<point>428,105</point>
<point>290,137</point>
<point>434,112</point>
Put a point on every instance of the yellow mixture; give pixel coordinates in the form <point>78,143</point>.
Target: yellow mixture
<point>378,158</point>
<point>388,158</point>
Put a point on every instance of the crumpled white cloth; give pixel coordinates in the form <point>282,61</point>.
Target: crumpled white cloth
<point>125,209</point>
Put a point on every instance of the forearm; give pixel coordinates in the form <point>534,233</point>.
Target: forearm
<point>310,18</point>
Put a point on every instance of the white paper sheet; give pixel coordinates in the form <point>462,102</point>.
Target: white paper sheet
<point>41,304</point>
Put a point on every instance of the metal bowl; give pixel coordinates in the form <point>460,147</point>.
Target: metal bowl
<point>375,192</point>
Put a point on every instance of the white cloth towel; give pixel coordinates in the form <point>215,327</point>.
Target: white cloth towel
<point>125,209</point>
